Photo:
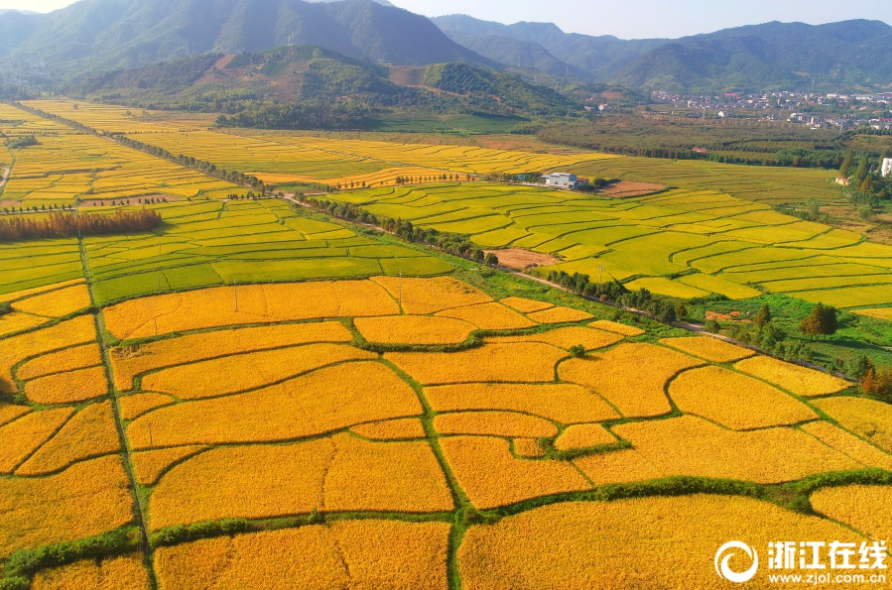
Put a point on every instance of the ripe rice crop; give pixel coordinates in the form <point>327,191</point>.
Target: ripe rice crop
<point>66,388</point>
<point>134,406</point>
<point>319,402</point>
<point>56,304</point>
<point>583,436</point>
<point>865,508</point>
<point>248,371</point>
<point>80,330</point>
<point>127,362</point>
<point>623,329</point>
<point>528,448</point>
<point>361,554</point>
<point>566,338</point>
<point>525,305</point>
<point>601,544</point>
<point>426,296</point>
<point>722,286</point>
<point>116,573</point>
<point>401,429</point>
<point>711,349</point>
<point>884,313</point>
<point>342,473</point>
<point>9,412</point>
<point>385,477</point>
<point>85,500</point>
<point>559,315</point>
<point>799,380</point>
<point>849,444</point>
<point>494,423</point>
<point>20,438</point>
<point>692,446</point>
<point>491,476</point>
<point>510,363</point>
<point>258,304</point>
<point>563,403</point>
<point>736,401</point>
<point>11,323</point>
<point>90,433</point>
<point>414,329</point>
<point>667,287</point>
<point>5,298</point>
<point>79,357</point>
<point>489,316</point>
<point>631,376</point>
<point>867,418</point>
<point>149,466</point>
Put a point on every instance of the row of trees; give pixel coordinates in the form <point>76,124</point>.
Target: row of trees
<point>456,244</point>
<point>67,225</point>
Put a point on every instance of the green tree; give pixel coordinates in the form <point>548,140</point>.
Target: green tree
<point>577,351</point>
<point>822,321</point>
<point>863,169</point>
<point>763,318</point>
<point>491,259</point>
<point>846,169</point>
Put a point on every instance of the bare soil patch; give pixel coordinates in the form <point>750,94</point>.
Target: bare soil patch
<point>624,189</point>
<point>734,316</point>
<point>520,259</point>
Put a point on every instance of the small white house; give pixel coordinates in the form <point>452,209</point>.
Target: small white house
<point>887,168</point>
<point>561,180</point>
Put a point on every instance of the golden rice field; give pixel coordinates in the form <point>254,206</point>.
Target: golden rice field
<point>254,396</point>
<point>277,410</point>
<point>68,165</point>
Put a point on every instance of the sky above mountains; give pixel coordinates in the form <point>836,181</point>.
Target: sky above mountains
<point>630,19</point>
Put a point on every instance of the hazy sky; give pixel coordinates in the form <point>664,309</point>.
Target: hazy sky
<point>626,18</point>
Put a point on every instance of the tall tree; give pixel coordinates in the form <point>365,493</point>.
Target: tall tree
<point>763,318</point>
<point>822,321</point>
<point>846,169</point>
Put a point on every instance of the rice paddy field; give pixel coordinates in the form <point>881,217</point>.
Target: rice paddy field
<point>677,243</point>
<point>253,395</point>
<point>284,157</point>
<point>389,432</point>
<point>67,165</point>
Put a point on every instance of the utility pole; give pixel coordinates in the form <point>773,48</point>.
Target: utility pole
<point>401,290</point>
<point>600,274</point>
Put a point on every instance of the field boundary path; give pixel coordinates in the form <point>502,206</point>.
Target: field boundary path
<point>145,548</point>
<point>4,178</point>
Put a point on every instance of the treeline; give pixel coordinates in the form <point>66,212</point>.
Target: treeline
<point>305,115</point>
<point>21,142</point>
<point>187,161</point>
<point>61,225</point>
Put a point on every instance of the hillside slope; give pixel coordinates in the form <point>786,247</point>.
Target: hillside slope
<point>93,35</point>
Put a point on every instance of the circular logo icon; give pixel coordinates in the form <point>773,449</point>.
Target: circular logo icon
<point>724,555</point>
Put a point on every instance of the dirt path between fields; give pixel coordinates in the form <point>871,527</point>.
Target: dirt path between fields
<point>3,180</point>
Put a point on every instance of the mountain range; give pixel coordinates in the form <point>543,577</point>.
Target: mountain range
<point>850,55</point>
<point>92,36</point>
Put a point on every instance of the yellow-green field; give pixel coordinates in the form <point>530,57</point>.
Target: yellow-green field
<point>677,243</point>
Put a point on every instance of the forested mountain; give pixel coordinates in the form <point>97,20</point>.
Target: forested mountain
<point>310,75</point>
<point>848,55</point>
<point>95,35</point>
<point>525,55</point>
